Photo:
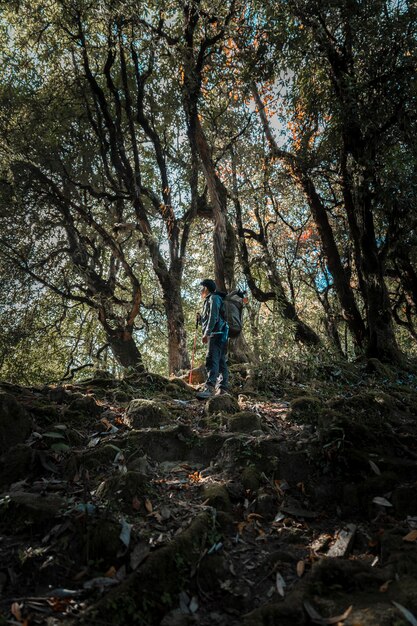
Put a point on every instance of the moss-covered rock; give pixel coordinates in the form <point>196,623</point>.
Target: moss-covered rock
<point>306,408</point>
<point>86,405</point>
<point>126,490</point>
<point>216,495</point>
<point>250,478</point>
<point>225,404</point>
<point>244,422</point>
<point>33,508</point>
<point>15,423</point>
<point>143,413</point>
<point>164,573</point>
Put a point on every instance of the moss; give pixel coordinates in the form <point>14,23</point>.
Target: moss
<point>123,488</point>
<point>305,408</point>
<point>222,404</point>
<point>144,413</point>
<point>244,422</point>
<point>250,478</point>
<point>216,496</point>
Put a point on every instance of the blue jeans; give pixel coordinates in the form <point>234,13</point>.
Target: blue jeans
<point>216,361</point>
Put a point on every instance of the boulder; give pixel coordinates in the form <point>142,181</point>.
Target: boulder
<point>147,414</point>
<point>222,404</point>
<point>126,490</point>
<point>244,422</point>
<point>86,405</point>
<point>216,496</point>
<point>15,423</point>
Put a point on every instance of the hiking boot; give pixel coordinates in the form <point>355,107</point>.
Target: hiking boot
<point>206,393</point>
<point>222,392</point>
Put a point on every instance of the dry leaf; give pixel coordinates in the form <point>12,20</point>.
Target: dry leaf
<point>148,505</point>
<point>384,588</point>
<point>412,536</point>
<point>111,572</point>
<point>300,568</point>
<point>15,610</point>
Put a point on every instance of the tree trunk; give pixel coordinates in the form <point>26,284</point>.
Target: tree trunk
<point>125,349</point>
<point>178,358</point>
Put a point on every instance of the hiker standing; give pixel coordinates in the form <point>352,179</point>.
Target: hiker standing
<point>215,334</point>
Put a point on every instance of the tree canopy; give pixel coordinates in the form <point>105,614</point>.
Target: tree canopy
<point>145,146</point>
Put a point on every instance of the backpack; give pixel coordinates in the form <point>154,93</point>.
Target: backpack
<point>232,311</point>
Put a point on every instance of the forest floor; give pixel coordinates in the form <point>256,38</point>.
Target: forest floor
<point>291,501</point>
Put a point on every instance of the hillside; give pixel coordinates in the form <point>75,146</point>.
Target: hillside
<point>291,501</point>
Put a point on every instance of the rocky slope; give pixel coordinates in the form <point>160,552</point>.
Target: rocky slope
<point>291,501</point>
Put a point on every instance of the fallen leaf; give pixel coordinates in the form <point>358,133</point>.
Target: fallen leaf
<point>193,606</point>
<point>300,568</point>
<point>384,588</point>
<point>381,501</point>
<point>148,505</point>
<point>139,554</point>
<point>125,533</point>
<point>406,613</point>
<point>412,536</point>
<point>15,610</point>
<point>280,584</point>
<point>375,468</point>
<point>111,572</point>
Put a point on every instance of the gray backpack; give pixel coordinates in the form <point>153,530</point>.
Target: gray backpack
<point>232,311</point>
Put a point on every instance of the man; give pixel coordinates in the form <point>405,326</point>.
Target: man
<point>215,333</point>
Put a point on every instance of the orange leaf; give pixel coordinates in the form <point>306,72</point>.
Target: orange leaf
<point>148,505</point>
<point>384,588</point>
<point>412,536</point>
<point>111,572</point>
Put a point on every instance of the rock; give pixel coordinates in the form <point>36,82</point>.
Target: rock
<point>147,414</point>
<point>34,508</point>
<point>15,464</point>
<point>244,422</point>
<point>250,478</point>
<point>222,404</point>
<point>126,490</point>
<point>267,505</point>
<point>305,408</point>
<point>217,497</point>
<point>375,366</point>
<point>15,423</point>
<point>58,394</point>
<point>86,405</point>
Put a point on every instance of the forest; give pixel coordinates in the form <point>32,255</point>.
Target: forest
<point>269,145</point>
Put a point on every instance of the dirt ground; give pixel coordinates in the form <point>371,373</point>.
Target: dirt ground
<point>287,502</point>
